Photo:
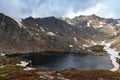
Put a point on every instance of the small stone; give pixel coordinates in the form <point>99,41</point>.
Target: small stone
<point>42,77</point>
<point>58,74</point>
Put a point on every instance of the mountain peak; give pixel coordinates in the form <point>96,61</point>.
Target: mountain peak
<point>94,15</point>
<point>1,14</point>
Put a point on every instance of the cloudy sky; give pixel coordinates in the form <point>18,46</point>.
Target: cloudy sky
<point>64,8</point>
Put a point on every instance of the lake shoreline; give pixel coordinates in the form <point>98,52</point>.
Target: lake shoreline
<point>66,59</point>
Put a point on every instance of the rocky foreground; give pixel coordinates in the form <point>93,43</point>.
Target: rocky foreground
<point>17,73</point>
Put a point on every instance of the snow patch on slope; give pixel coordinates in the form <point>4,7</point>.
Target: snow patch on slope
<point>113,56</point>
<point>51,33</point>
<point>29,68</point>
<point>2,54</point>
<point>94,43</point>
<point>86,45</point>
<point>101,22</point>
<point>75,39</point>
<point>19,21</point>
<point>118,23</point>
<point>100,26</point>
<point>115,34</point>
<point>71,46</point>
<point>23,63</point>
<point>70,23</point>
<point>90,21</point>
<point>42,29</point>
<point>88,24</point>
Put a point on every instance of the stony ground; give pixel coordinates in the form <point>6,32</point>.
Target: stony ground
<point>17,73</point>
<point>74,74</point>
<point>8,61</point>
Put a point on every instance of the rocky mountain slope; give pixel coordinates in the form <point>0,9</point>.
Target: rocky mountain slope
<point>106,27</point>
<point>13,38</point>
<point>57,34</point>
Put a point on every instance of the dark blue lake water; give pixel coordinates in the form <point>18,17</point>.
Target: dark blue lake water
<point>59,61</point>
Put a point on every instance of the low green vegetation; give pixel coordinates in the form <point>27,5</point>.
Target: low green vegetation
<point>17,73</point>
<point>6,70</point>
<point>8,61</point>
<point>4,77</point>
<point>10,69</point>
<point>75,74</point>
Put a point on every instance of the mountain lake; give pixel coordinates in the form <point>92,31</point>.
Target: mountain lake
<point>60,61</point>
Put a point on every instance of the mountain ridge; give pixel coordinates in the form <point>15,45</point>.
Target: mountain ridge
<point>57,34</point>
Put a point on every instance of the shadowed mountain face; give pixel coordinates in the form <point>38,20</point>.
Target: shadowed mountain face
<point>55,34</point>
<point>14,38</point>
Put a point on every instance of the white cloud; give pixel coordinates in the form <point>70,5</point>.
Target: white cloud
<point>93,10</point>
<point>66,8</point>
